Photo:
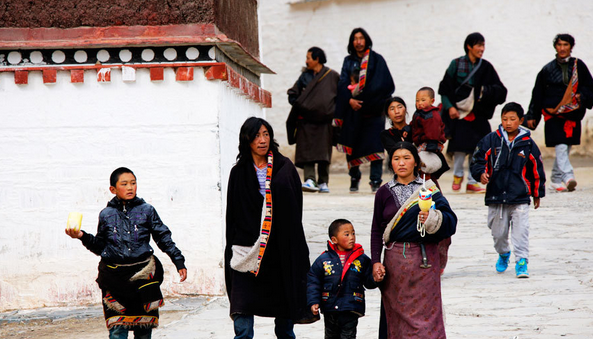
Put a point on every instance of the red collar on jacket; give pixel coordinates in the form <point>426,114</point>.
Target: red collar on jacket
<point>356,252</point>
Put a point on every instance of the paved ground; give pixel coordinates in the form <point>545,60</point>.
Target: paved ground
<point>555,302</point>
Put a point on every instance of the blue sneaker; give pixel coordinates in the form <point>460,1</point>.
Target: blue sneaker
<point>503,262</point>
<point>521,268</point>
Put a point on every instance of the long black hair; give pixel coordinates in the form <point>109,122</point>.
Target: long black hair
<point>247,134</point>
<point>368,43</point>
<point>407,146</point>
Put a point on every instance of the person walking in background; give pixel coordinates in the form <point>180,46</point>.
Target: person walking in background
<point>266,255</point>
<point>509,162</point>
<point>470,91</point>
<point>361,119</point>
<point>562,93</point>
<point>309,124</point>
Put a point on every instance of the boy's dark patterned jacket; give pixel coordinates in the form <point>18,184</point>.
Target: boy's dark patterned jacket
<point>336,288</point>
<point>123,234</point>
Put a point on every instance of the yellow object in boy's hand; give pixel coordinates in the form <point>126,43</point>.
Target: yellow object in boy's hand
<point>74,221</point>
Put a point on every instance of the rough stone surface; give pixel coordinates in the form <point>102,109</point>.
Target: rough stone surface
<point>70,13</point>
<point>235,18</point>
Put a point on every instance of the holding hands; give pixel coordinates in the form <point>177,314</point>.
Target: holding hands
<point>378,272</point>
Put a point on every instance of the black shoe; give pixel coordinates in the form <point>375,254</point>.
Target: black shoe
<point>375,185</point>
<point>354,184</point>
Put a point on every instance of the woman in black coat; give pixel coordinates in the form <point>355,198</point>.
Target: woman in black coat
<point>266,255</point>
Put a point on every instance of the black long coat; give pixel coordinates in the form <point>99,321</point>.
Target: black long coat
<point>465,135</point>
<point>279,290</point>
<point>548,92</point>
<point>359,137</point>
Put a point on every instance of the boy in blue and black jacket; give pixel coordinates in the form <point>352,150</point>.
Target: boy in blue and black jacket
<point>510,163</point>
<point>337,281</point>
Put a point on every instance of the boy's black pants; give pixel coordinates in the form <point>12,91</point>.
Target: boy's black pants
<point>340,325</point>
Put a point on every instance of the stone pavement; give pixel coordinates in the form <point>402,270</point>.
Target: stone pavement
<point>555,302</point>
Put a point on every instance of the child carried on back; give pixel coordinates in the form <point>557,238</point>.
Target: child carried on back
<point>428,134</point>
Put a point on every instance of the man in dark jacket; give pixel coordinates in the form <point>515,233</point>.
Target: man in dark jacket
<point>313,100</point>
<point>361,118</point>
<point>562,93</point>
<point>472,78</point>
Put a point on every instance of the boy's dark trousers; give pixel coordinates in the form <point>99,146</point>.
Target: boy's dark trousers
<point>340,325</point>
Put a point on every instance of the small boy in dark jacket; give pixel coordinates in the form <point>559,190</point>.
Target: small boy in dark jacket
<point>130,274</point>
<point>510,163</point>
<point>337,281</point>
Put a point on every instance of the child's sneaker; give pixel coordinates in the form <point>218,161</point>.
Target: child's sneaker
<point>310,186</point>
<point>503,262</point>
<point>323,188</point>
<point>474,188</point>
<point>558,187</point>
<point>571,184</point>
<point>521,268</point>
<point>456,183</point>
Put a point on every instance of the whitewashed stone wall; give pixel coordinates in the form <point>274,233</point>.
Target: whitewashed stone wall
<point>419,38</point>
<point>58,145</point>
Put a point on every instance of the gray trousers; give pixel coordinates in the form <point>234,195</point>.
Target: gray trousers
<point>458,161</point>
<point>562,170</point>
<point>501,218</point>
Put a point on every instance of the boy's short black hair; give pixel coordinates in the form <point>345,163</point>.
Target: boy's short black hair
<point>472,40</point>
<point>564,37</point>
<point>117,173</point>
<point>429,90</point>
<point>334,227</point>
<point>318,53</point>
<point>513,107</point>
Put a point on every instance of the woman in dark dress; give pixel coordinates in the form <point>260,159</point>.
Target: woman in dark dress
<point>411,289</point>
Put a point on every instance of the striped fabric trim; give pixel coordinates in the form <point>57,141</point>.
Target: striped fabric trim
<point>574,85</point>
<point>364,64</point>
<point>113,304</point>
<point>344,149</point>
<point>154,305</point>
<point>366,159</point>
<point>411,202</point>
<point>132,321</point>
<point>267,224</point>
